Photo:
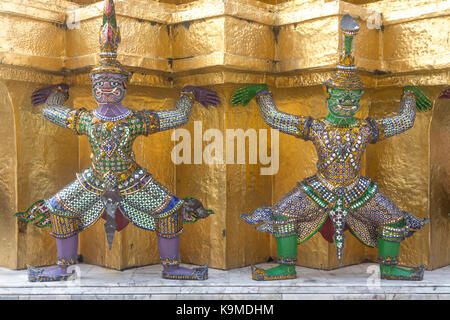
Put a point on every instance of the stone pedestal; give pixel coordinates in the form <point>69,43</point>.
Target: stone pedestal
<point>358,282</point>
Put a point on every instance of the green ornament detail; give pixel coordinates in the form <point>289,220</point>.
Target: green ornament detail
<point>423,103</point>
<point>348,100</point>
<point>392,249</point>
<point>313,195</point>
<point>348,43</point>
<point>331,117</point>
<point>365,197</point>
<point>109,9</point>
<point>286,247</point>
<point>244,95</point>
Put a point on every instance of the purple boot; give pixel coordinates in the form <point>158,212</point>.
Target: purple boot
<point>169,251</point>
<point>67,256</point>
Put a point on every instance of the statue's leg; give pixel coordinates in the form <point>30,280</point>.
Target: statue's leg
<point>380,223</point>
<point>67,255</point>
<point>67,252</point>
<point>285,235</point>
<point>292,220</point>
<point>388,253</point>
<point>169,230</point>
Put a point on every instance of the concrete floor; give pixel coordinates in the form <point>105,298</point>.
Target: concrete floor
<point>353,282</point>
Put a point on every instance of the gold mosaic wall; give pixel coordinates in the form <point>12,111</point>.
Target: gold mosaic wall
<point>291,45</point>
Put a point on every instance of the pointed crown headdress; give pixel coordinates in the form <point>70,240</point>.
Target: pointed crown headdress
<point>345,76</point>
<point>109,39</point>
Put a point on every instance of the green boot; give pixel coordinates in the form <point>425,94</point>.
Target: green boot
<point>287,254</point>
<point>388,253</point>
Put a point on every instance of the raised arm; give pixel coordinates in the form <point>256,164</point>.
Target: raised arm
<point>295,125</point>
<point>412,99</point>
<point>53,98</point>
<point>179,116</point>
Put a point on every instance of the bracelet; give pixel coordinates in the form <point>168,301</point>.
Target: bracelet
<point>188,94</point>
<point>175,261</point>
<point>409,93</point>
<point>74,119</point>
<point>260,92</point>
<point>63,91</point>
<point>307,127</point>
<point>66,262</point>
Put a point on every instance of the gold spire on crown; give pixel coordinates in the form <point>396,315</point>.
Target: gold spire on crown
<point>109,39</point>
<point>345,76</point>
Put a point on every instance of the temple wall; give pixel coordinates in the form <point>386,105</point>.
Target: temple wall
<point>293,46</point>
<point>440,184</point>
<point>8,180</point>
<point>47,157</point>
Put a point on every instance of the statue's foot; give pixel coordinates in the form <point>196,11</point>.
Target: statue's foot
<point>281,272</point>
<point>397,273</point>
<point>50,274</point>
<point>180,273</point>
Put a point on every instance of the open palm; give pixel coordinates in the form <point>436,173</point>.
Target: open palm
<point>244,95</point>
<point>422,102</point>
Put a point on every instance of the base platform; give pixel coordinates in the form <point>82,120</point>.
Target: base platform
<point>354,282</point>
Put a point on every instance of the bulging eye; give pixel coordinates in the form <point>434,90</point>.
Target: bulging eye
<point>114,83</point>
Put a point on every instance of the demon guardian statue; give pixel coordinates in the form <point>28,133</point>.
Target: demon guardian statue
<point>337,191</point>
<point>115,187</point>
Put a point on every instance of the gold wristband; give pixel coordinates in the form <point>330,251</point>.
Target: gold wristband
<point>188,94</point>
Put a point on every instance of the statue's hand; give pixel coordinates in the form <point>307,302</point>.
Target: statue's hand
<point>445,94</point>
<point>204,96</point>
<point>39,96</point>
<point>246,94</point>
<point>422,102</point>
<point>193,210</point>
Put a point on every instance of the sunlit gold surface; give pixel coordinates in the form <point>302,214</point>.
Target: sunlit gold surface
<point>205,241</point>
<point>246,190</point>
<point>20,48</point>
<point>290,39</point>
<point>401,166</point>
<point>292,46</point>
<point>296,50</point>
<point>47,158</point>
<point>440,184</point>
<point>424,45</point>
<point>8,182</point>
